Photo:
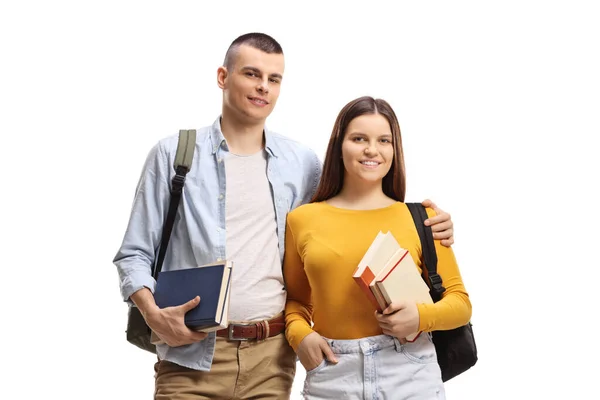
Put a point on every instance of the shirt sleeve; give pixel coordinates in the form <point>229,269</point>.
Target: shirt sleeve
<point>314,170</point>
<point>454,309</point>
<point>298,308</point>
<point>136,256</point>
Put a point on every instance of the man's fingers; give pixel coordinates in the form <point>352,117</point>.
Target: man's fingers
<point>197,336</point>
<point>444,234</point>
<point>440,225</point>
<point>428,203</point>
<point>440,218</point>
<point>448,242</point>
<point>188,337</point>
<point>190,304</point>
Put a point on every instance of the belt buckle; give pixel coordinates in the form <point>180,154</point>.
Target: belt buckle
<point>230,333</point>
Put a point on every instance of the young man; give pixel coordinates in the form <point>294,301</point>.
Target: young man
<point>243,181</point>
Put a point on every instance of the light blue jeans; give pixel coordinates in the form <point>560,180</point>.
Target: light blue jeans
<point>377,368</point>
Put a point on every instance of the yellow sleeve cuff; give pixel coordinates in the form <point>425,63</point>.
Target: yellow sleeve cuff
<point>296,332</point>
<point>427,314</point>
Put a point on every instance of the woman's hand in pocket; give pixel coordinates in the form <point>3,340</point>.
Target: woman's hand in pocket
<point>313,349</point>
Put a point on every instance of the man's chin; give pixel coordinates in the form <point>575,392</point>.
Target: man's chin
<point>258,115</point>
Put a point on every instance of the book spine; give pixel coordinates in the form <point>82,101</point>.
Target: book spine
<point>364,287</point>
<point>379,297</point>
<point>384,294</point>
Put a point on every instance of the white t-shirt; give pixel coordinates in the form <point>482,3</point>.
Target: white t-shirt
<point>252,245</point>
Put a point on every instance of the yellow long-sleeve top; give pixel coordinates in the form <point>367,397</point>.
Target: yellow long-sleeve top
<point>324,245</point>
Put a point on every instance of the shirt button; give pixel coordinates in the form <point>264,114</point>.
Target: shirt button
<point>219,160</point>
<point>219,259</point>
<point>221,197</point>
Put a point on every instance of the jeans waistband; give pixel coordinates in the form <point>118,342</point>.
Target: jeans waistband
<point>363,345</point>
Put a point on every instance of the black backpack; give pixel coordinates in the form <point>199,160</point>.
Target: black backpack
<point>455,348</point>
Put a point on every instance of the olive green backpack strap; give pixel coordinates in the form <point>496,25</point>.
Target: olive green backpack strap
<point>185,149</point>
<point>182,165</point>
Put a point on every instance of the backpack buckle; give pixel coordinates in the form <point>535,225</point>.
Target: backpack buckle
<point>436,284</point>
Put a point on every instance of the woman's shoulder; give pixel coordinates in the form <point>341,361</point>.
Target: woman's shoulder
<point>307,209</point>
<point>430,211</point>
<point>306,212</point>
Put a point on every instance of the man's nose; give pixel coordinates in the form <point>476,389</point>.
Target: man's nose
<point>263,87</point>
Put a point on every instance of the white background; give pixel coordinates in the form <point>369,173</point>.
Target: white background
<point>498,105</point>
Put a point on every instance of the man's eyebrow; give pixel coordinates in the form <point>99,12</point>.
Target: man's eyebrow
<point>258,71</point>
<point>253,69</point>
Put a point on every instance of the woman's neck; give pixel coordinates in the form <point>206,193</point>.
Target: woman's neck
<point>362,196</point>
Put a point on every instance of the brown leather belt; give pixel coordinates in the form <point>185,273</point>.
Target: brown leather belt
<point>258,331</point>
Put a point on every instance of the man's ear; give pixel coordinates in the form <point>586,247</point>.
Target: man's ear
<point>221,77</point>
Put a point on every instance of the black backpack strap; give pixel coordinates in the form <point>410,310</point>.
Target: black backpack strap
<point>428,250</point>
<point>182,165</point>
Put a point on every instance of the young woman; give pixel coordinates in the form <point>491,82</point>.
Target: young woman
<point>349,350</point>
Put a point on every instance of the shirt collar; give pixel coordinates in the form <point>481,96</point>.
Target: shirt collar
<point>217,139</point>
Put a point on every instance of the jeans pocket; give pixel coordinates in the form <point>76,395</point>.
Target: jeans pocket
<point>421,351</point>
<point>317,368</point>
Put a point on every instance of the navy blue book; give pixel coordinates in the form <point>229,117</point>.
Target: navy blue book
<point>210,282</point>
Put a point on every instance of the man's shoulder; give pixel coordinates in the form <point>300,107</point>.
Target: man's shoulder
<point>288,146</point>
<point>168,144</point>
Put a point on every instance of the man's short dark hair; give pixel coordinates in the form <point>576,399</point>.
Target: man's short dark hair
<point>260,41</point>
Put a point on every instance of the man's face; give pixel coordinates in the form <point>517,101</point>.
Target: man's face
<point>251,86</point>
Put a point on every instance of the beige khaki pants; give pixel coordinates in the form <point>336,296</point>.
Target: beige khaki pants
<point>240,370</point>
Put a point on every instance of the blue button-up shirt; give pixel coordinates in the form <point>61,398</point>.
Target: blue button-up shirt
<point>198,236</point>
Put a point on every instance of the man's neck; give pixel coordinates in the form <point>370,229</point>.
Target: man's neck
<point>242,138</point>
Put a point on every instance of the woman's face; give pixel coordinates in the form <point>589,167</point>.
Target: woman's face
<point>367,149</point>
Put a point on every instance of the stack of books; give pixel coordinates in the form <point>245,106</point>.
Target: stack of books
<point>387,274</point>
